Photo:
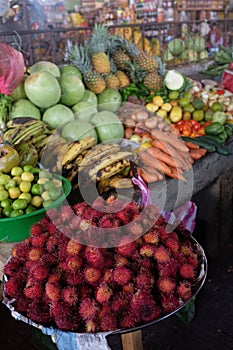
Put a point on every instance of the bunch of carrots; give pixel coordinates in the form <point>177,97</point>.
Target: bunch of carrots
<point>168,155</point>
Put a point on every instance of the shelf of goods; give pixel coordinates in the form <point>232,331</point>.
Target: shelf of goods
<point>190,9</point>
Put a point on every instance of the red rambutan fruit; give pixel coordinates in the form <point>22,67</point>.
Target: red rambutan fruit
<point>20,250</point>
<point>145,280</point>
<point>74,263</point>
<point>128,288</point>
<point>13,287</point>
<point>103,294</point>
<point>151,237</point>
<point>84,292</point>
<point>91,326</point>
<point>187,271</point>
<point>21,303</point>
<point>143,307</point>
<point>35,254</point>
<point>51,228</point>
<point>108,322</point>
<point>123,216</point>
<point>127,320</point>
<point>73,247</point>
<point>39,241</point>
<point>121,260</point>
<point>74,278</point>
<point>88,309</point>
<point>75,222</point>
<point>94,256</point>
<point>12,266</point>
<point>53,291</point>
<point>126,247</point>
<point>70,295</point>
<point>54,277</point>
<point>66,213</point>
<point>50,259</point>
<point>106,221</point>
<point>169,303</point>
<point>160,221</point>
<point>56,241</point>
<point>121,301</point>
<point>52,213</point>
<point>161,254</point>
<point>166,285</point>
<point>121,275</point>
<point>38,311</point>
<point>186,250</point>
<point>168,268</point>
<point>184,290</point>
<point>40,271</point>
<point>136,228</point>
<point>92,275</point>
<point>36,230</point>
<point>107,277</point>
<point>172,244</point>
<point>33,290</point>
<point>147,250</point>
<point>70,322</point>
<point>193,260</point>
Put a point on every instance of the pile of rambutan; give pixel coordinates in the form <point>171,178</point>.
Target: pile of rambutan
<point>55,278</point>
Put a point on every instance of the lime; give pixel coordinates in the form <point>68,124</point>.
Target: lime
<point>173,95</point>
<point>187,95</point>
<point>183,101</point>
<point>198,115</point>
<point>189,108</point>
<point>208,115</point>
<point>216,107</point>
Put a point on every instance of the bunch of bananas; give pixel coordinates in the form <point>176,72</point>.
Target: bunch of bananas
<point>27,130</point>
<point>96,163</point>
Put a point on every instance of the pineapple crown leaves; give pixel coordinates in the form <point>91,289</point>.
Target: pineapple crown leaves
<point>99,39</point>
<point>137,73</point>
<point>113,67</point>
<point>161,66</point>
<point>80,57</point>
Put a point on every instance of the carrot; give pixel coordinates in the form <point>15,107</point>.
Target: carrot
<point>172,139</point>
<point>164,157</point>
<point>151,161</point>
<point>196,154</point>
<point>191,145</point>
<point>153,171</point>
<point>176,174</point>
<point>148,176</point>
<point>167,148</point>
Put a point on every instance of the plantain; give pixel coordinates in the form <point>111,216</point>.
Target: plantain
<point>10,134</point>
<point>22,122</point>
<point>110,170</point>
<point>114,182</point>
<point>77,147</point>
<point>110,165</point>
<point>26,134</point>
<point>97,153</point>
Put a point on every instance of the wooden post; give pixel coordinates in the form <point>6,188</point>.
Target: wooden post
<point>132,341</point>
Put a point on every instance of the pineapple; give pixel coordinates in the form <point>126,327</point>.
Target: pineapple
<point>123,78</point>
<point>112,81</point>
<point>79,56</point>
<point>146,61</point>
<point>121,58</point>
<point>153,81</point>
<point>98,44</point>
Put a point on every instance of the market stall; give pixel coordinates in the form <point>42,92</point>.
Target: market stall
<point>122,133</point>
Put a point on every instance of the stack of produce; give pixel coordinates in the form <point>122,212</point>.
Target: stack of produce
<point>56,279</point>
<point>222,59</point>
<point>191,49</point>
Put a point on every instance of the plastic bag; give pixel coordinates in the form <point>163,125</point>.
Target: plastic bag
<point>11,68</point>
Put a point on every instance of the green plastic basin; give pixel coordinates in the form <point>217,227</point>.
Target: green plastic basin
<point>18,228</point>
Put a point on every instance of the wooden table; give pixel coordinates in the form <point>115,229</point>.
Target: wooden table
<point>204,172</point>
